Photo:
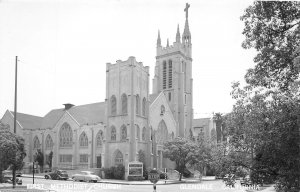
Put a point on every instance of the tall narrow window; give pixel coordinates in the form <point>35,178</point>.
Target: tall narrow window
<point>170,96</point>
<point>123,133</point>
<point>137,105</point>
<point>144,134</point>
<point>164,75</point>
<point>113,103</point>
<point>137,132</point>
<point>124,104</point>
<point>36,143</point>
<point>49,143</point>
<point>144,107</point>
<point>113,133</point>
<point>65,136</point>
<point>170,74</point>
<point>83,140</point>
<point>99,138</point>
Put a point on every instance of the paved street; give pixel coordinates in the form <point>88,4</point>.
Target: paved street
<point>65,186</point>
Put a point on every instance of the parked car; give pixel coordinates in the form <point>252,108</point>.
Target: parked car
<point>57,174</point>
<point>9,172</point>
<point>8,179</point>
<point>87,176</point>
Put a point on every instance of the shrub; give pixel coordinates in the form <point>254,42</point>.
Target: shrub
<point>109,172</point>
<point>115,172</point>
<point>119,172</point>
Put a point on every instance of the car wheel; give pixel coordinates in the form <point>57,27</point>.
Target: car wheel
<point>95,181</point>
<point>47,177</point>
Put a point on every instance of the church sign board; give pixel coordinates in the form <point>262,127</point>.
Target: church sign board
<point>135,168</point>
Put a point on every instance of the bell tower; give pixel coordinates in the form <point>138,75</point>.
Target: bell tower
<point>173,76</point>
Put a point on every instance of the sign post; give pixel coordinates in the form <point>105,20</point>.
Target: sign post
<point>33,169</point>
<point>153,176</point>
<point>165,175</point>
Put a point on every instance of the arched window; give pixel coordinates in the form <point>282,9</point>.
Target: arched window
<point>118,158</point>
<point>144,107</point>
<point>113,133</point>
<point>137,105</point>
<point>144,134</point>
<point>113,103</point>
<point>138,132</point>
<point>123,133</point>
<point>151,134</point>
<point>99,138</point>
<point>49,143</point>
<point>65,136</point>
<point>170,74</point>
<point>164,83</point>
<point>162,132</point>
<point>83,140</point>
<point>36,143</point>
<point>124,104</point>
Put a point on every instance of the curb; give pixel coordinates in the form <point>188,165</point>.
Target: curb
<point>128,183</point>
<point>11,187</point>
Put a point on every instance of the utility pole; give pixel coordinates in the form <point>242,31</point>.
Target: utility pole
<point>15,117</point>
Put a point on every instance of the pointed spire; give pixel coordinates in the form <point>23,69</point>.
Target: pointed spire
<point>158,44</point>
<point>186,36</point>
<point>178,35</point>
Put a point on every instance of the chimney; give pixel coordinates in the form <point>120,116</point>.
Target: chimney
<point>68,106</point>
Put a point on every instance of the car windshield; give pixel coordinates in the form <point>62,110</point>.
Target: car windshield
<point>86,173</point>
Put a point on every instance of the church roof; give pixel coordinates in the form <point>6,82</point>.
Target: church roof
<point>51,118</point>
<point>28,121</point>
<point>152,97</point>
<point>83,114</point>
<point>89,114</point>
<point>201,122</point>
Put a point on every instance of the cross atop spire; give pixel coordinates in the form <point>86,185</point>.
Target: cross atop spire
<point>186,9</point>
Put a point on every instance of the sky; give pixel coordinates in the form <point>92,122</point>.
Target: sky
<point>63,47</point>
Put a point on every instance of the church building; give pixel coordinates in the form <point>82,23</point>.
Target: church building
<point>129,121</point>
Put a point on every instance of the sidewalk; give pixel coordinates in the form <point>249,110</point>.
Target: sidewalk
<point>145,182</point>
<point>9,186</point>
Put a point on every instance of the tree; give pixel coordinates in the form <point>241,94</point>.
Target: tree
<point>218,119</point>
<point>182,151</point>
<point>39,157</point>
<point>272,28</point>
<point>12,150</point>
<point>203,153</point>
<point>264,135</point>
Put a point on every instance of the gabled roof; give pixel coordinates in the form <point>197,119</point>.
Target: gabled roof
<point>152,97</point>
<point>28,121</point>
<point>83,114</point>
<point>201,121</point>
<point>89,114</point>
<point>51,118</point>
